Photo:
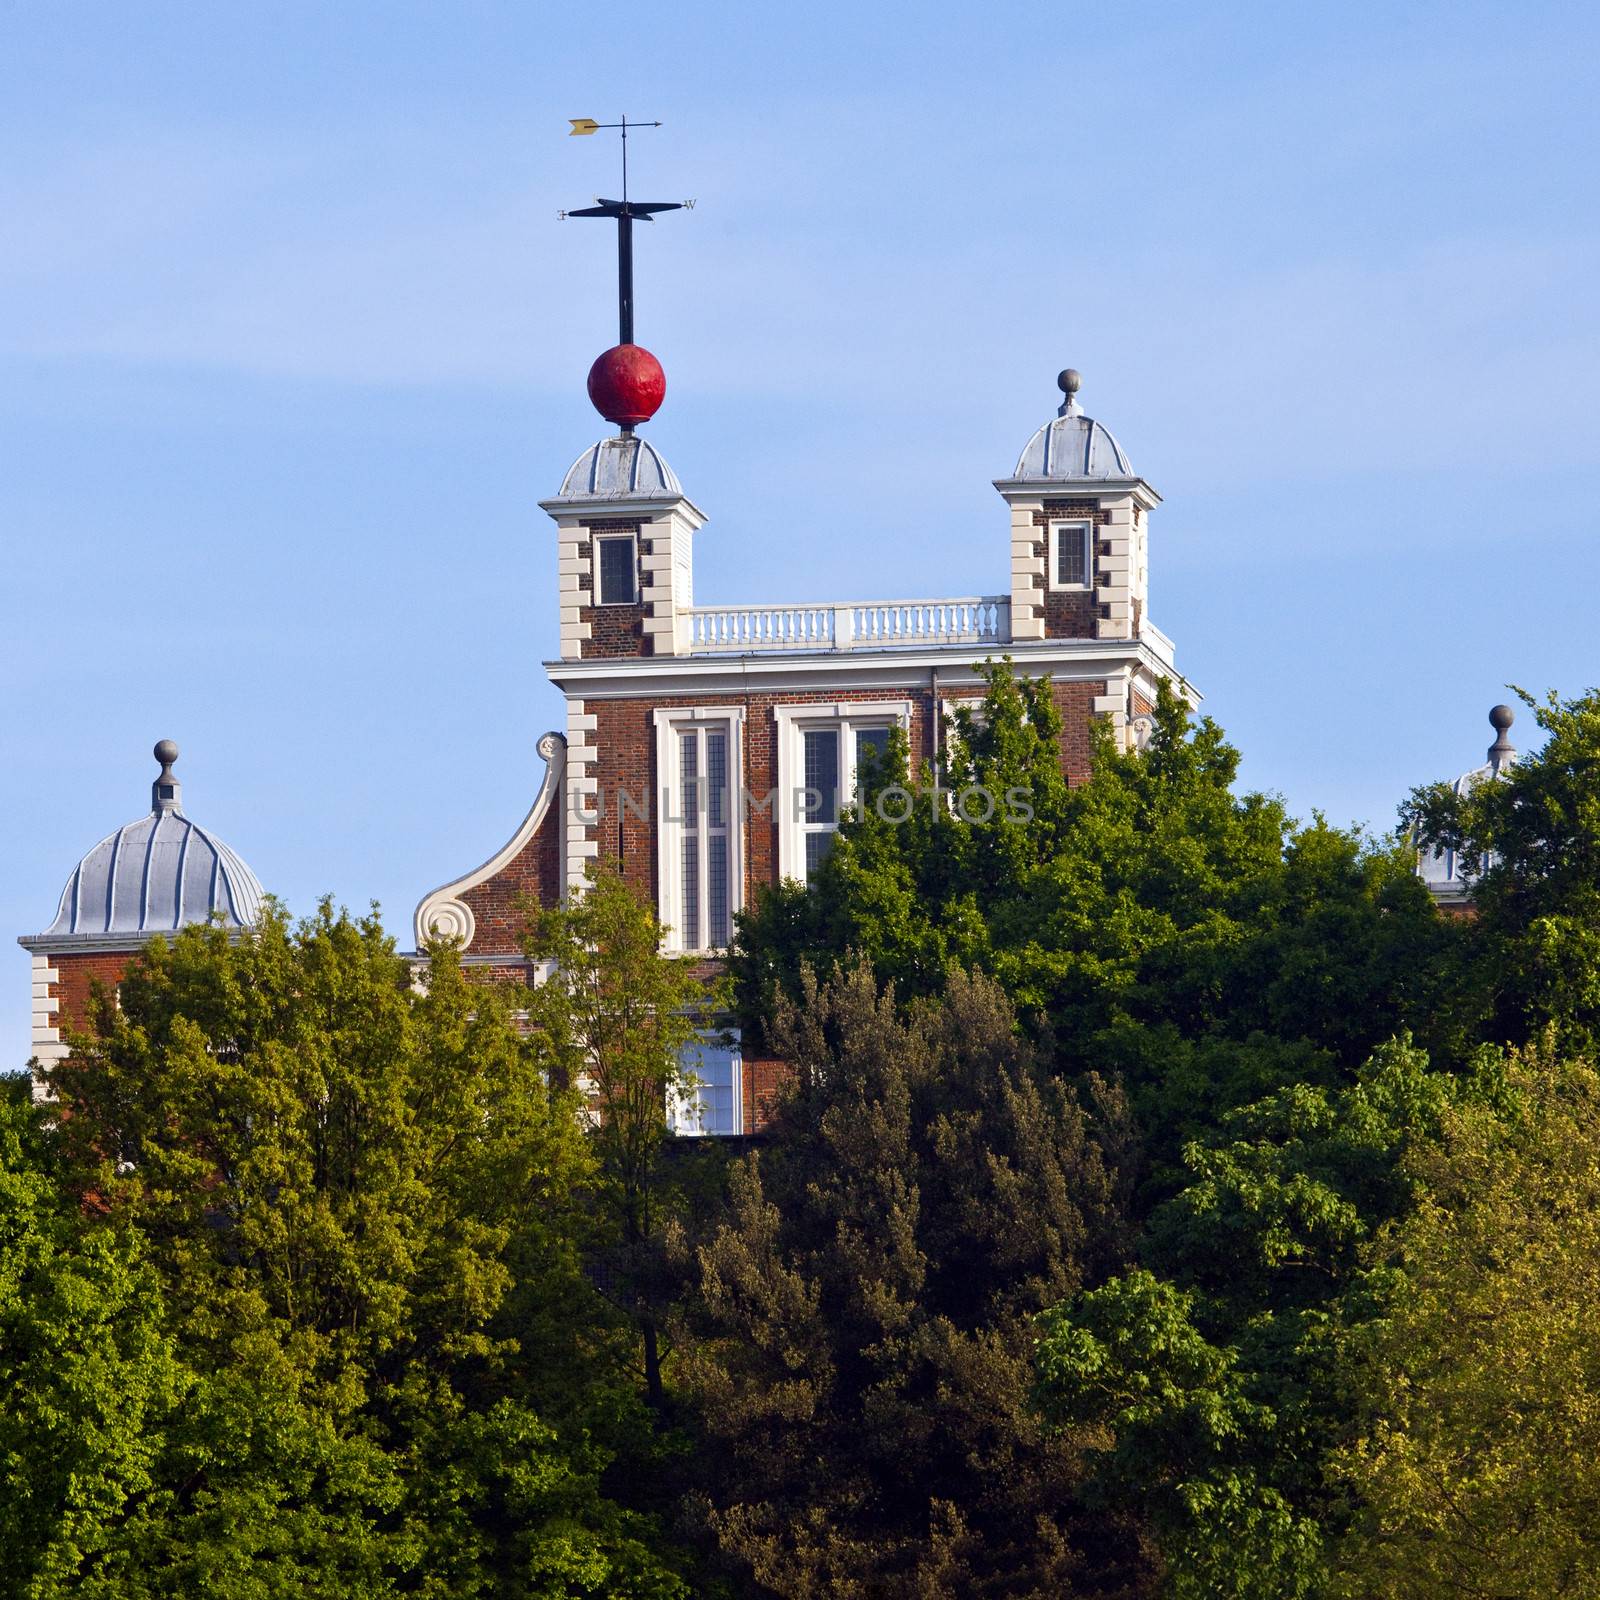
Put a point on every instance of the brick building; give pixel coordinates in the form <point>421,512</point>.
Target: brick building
<point>710,749</point>
<point>154,875</point>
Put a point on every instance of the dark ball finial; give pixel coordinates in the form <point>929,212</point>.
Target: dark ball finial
<point>166,752</point>
<point>1069,382</point>
<point>1502,752</point>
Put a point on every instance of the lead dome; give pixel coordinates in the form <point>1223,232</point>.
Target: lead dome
<point>156,874</point>
<point>624,468</point>
<point>1073,445</point>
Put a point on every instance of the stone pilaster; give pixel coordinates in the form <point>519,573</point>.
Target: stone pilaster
<point>1029,551</point>
<point>581,834</point>
<point>1115,568</point>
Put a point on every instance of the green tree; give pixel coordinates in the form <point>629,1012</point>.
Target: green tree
<point>1475,1468</point>
<point>1212,1371</point>
<point>89,1376</point>
<point>1532,948</point>
<point>1148,923</point>
<point>864,1325</point>
<point>1180,1435</point>
<point>614,1016</point>
<point>368,1214</point>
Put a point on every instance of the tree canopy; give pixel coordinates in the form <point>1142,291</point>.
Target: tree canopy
<point>862,1318</point>
<point>1165,1200</point>
<point>353,1214</point>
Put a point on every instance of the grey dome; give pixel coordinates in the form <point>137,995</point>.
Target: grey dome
<point>624,468</point>
<point>1072,445</point>
<point>155,875</point>
<point>1448,875</point>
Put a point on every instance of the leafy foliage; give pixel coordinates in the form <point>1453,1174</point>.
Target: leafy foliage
<point>1217,1381</point>
<point>1532,957</point>
<point>1153,1209</point>
<point>1149,923</point>
<point>864,1327</point>
<point>1476,1464</point>
<point>88,1371</point>
<point>614,1015</point>
<point>364,1216</point>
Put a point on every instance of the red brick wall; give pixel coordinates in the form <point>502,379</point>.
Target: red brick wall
<point>613,630</point>
<point>535,872</point>
<point>1075,702</point>
<point>1069,613</point>
<point>625,742</point>
<point>625,738</point>
<point>763,1078</point>
<point>77,973</point>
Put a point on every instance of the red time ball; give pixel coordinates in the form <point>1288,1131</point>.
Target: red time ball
<point>627,385</point>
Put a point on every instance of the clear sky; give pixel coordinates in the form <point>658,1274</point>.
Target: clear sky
<point>291,342</point>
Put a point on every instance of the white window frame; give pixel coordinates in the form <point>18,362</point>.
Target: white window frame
<point>685,1115</point>
<point>1085,529</point>
<point>632,541</point>
<point>672,722</point>
<point>794,722</point>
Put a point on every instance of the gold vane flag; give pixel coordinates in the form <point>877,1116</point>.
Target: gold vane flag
<point>582,125</point>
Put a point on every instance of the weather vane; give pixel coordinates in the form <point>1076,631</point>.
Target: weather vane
<point>625,211</point>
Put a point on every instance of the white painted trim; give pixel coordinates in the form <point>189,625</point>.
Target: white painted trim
<point>634,678</point>
<point>1036,491</point>
<point>669,722</point>
<point>678,1102</point>
<point>793,721</point>
<point>1085,525</point>
<point>632,541</point>
<point>442,908</point>
<point>729,713</point>
<point>843,710</point>
<point>580,512</point>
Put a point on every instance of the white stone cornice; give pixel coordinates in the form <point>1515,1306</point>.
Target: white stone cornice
<point>772,672</point>
<point>1039,490</point>
<point>580,511</point>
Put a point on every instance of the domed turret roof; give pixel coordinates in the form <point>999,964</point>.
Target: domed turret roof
<point>1447,874</point>
<point>1073,445</point>
<point>624,468</point>
<point>154,875</point>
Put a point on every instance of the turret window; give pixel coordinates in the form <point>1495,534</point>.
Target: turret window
<point>1070,555</point>
<point>618,564</point>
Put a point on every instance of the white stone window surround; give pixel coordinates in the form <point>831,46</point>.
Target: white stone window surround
<point>671,723</point>
<point>794,721</point>
<point>631,540</point>
<point>1079,528</point>
<point>696,1109</point>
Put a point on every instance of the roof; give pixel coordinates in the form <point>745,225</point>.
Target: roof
<point>624,468</point>
<point>155,874</point>
<point>1072,445</point>
<point>1449,875</point>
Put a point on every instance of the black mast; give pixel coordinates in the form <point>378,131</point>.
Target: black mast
<point>626,212</point>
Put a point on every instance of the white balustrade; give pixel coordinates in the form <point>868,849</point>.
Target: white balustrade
<point>853,625</point>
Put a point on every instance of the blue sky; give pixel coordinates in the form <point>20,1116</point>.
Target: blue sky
<point>291,343</point>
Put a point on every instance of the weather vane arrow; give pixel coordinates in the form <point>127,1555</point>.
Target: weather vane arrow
<point>626,212</point>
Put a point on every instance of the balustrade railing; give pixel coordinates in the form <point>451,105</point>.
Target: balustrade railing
<point>853,625</point>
